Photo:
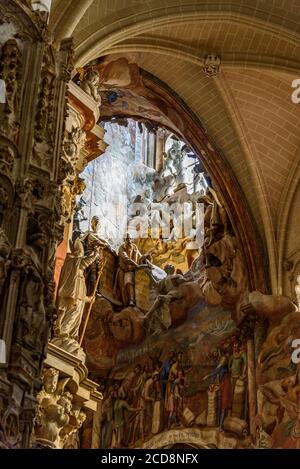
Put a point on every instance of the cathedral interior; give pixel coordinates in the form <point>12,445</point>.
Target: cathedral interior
<point>149,205</point>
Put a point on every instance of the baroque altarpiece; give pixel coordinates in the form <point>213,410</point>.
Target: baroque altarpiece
<point>136,341</point>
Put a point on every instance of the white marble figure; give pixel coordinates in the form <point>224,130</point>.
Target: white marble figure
<point>158,319</point>
<point>72,296</point>
<point>90,84</point>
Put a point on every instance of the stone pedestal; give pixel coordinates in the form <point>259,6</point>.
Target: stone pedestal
<point>85,390</point>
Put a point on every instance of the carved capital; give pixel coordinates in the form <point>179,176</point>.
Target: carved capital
<point>10,70</point>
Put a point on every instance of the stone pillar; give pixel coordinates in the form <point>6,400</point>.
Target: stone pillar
<point>61,253</point>
<point>138,142</point>
<point>143,157</point>
<point>152,149</point>
<point>160,149</point>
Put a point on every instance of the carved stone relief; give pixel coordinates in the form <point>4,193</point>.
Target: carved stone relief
<point>29,191</point>
<point>10,73</point>
<point>44,138</point>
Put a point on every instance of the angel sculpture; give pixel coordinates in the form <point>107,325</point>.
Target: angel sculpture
<point>158,319</point>
<point>90,84</point>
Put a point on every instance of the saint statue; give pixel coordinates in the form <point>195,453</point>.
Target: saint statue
<point>130,259</point>
<point>78,217</point>
<point>92,241</point>
<point>72,294</point>
<point>91,238</point>
<point>216,223</point>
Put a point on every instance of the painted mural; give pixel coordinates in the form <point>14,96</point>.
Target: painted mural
<point>194,377</point>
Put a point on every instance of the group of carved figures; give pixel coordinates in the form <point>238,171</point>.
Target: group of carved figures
<point>212,275</point>
<point>80,275</point>
<point>173,176</point>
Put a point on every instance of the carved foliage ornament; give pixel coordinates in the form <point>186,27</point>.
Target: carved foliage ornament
<point>9,428</point>
<point>66,58</point>
<point>7,159</point>
<point>73,142</point>
<point>30,24</point>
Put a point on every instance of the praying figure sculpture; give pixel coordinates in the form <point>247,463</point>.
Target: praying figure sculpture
<point>72,296</point>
